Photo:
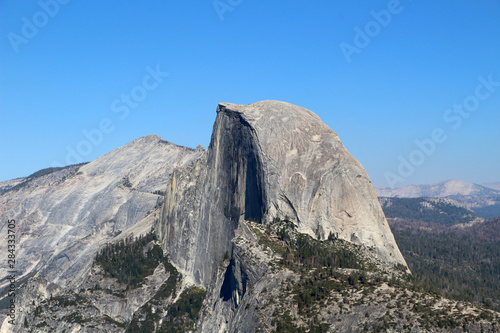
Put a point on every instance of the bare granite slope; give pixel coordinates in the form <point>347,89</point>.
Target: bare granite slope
<point>63,217</point>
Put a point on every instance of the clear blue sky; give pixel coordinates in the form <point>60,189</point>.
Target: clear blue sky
<point>65,69</point>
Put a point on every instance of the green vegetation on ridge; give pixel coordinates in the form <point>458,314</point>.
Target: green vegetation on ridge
<point>127,260</point>
<point>434,210</point>
<point>464,263</point>
<point>325,291</point>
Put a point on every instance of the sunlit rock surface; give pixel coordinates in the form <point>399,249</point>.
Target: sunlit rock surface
<point>269,159</point>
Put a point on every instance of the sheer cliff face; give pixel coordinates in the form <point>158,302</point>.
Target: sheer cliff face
<point>204,202</point>
<point>269,159</point>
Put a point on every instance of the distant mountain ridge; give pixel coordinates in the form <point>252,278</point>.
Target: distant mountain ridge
<point>437,210</point>
<point>442,189</point>
<point>495,186</point>
<point>484,201</point>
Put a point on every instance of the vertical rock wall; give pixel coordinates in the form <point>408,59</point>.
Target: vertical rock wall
<point>266,159</point>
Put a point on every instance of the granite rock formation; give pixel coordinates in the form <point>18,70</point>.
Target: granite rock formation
<point>63,217</point>
<point>275,227</point>
<point>264,160</point>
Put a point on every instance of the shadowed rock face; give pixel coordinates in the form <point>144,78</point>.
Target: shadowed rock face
<point>269,159</point>
<point>204,202</point>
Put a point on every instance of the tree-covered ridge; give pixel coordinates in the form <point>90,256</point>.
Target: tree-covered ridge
<point>334,279</point>
<point>464,263</point>
<point>490,211</point>
<point>302,252</point>
<point>131,260</point>
<point>182,315</point>
<point>170,309</point>
<point>436,210</point>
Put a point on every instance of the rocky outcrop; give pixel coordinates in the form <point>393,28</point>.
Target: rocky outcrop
<point>63,217</point>
<point>274,227</point>
<point>264,160</point>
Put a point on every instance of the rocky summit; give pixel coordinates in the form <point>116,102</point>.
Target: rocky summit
<point>275,227</point>
<point>65,215</point>
<point>264,160</point>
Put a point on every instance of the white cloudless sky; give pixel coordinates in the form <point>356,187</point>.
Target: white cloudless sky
<point>382,74</point>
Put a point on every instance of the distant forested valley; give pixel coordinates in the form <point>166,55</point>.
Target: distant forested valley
<point>461,262</point>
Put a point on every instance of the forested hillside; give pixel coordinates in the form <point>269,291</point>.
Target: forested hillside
<point>437,210</point>
<point>462,262</point>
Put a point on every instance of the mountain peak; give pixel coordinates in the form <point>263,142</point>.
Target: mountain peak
<point>148,139</point>
<point>268,108</point>
<point>451,187</point>
<point>265,160</point>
